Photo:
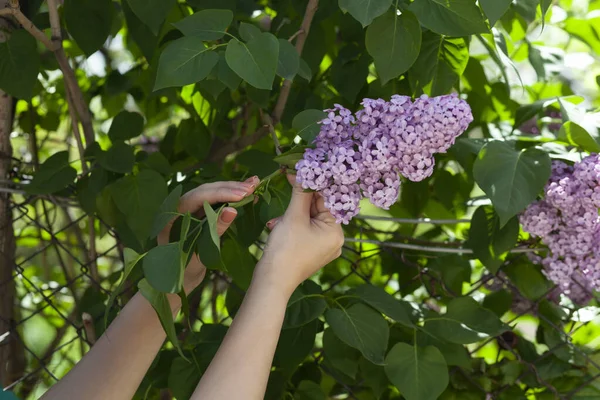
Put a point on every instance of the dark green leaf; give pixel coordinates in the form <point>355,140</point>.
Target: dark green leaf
<point>450,18</point>
<point>19,64</point>
<point>494,9</point>
<point>182,378</point>
<point>195,138</point>
<point>160,303</point>
<point>211,219</point>
<point>465,322</point>
<point>249,31</point>
<point>365,11</point>
<point>119,158</point>
<point>488,240</point>
<point>528,279</point>
<point>53,175</point>
<point>151,12</point>
<point>512,179</point>
<point>162,268</point>
<point>140,33</point>
<point>308,390</point>
<point>295,345</point>
<point>305,72</point>
<point>499,301</point>
<point>139,198</point>
<point>89,22</point>
<point>239,263</point>
<point>209,252</point>
<point>339,355</point>
<point>537,62</point>
<point>419,373</point>
<point>306,124</point>
<point>374,376</point>
<point>394,42</point>
<point>166,212</point>
<point>255,61</point>
<point>289,61</point>
<point>383,302</point>
<point>291,157</point>
<point>441,62</point>
<point>206,24</point>
<point>185,61</point>
<point>126,125</point>
<point>362,328</point>
<point>226,74</point>
<point>305,305</point>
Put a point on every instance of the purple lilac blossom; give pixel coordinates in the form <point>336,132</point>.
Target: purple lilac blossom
<point>567,221</point>
<point>363,155</point>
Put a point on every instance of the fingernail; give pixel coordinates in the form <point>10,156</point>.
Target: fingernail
<point>270,225</point>
<point>239,192</point>
<point>252,181</point>
<point>228,215</point>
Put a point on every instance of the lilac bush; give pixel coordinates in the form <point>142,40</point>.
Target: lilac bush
<point>363,154</point>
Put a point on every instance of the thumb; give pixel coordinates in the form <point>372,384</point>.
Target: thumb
<point>226,219</point>
<point>301,200</point>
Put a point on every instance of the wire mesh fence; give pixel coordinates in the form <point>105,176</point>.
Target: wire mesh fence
<point>58,289</point>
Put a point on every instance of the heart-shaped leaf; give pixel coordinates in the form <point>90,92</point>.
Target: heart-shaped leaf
<point>19,64</point>
<point>206,24</point>
<point>255,61</point>
<point>365,11</point>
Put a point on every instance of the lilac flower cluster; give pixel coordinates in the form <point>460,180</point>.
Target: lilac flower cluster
<point>363,154</point>
<point>567,221</point>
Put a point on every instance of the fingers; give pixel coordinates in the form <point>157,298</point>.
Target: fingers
<point>271,224</point>
<point>323,213</point>
<point>301,201</point>
<point>217,192</point>
<point>226,219</point>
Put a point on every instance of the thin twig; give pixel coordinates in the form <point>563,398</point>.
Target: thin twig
<point>414,220</point>
<point>295,35</point>
<point>311,9</point>
<point>28,25</point>
<point>268,123</point>
<point>431,249</point>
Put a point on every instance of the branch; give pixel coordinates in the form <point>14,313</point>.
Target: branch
<point>28,25</point>
<point>77,99</point>
<point>311,9</point>
<point>219,154</point>
<point>268,123</point>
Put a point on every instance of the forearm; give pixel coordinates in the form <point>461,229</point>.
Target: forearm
<point>116,364</point>
<point>240,369</point>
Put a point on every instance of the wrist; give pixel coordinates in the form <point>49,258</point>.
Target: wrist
<point>267,280</point>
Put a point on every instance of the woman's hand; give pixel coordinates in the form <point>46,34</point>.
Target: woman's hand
<point>302,241</point>
<point>193,201</point>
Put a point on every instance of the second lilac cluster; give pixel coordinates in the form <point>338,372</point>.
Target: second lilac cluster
<point>567,221</point>
<point>363,154</point>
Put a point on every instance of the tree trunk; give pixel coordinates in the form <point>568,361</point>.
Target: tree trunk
<point>11,347</point>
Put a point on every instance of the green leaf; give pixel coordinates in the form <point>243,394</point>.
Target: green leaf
<point>140,33</point>
<point>306,304</point>
<point>249,31</point>
<point>305,72</point>
<point>362,328</point>
<point>441,62</point>
<point>53,175</point>
<point>394,42</point>
<point>209,252</point>
<point>309,390</point>
<point>289,60</point>
<point>537,62</point>
<point>306,124</point>
<point>255,61</point>
<point>339,355</point>
<point>226,74</point>
<point>374,376</point>
<point>291,157</point>
<point>365,11</point>
<point>296,344</point>
<point>577,136</point>
<point>529,280</point>
<point>19,64</point>
<point>211,219</point>
<point>126,125</point>
<point>585,30</point>
<point>239,262</point>
<point>494,9</point>
<point>162,268</point>
<point>139,197</point>
<point>185,61</point>
<point>385,303</point>
<point>160,303</point>
<point>512,179</point>
<point>206,24</point>
<point>131,260</point>
<point>450,18</point>
<point>419,373</point>
<point>166,212</point>
<point>454,354</point>
<point>182,378</point>
<point>465,322</point>
<point>119,158</point>
<point>151,12</point>
<point>544,6</point>
<point>89,22</point>
<point>195,138</point>
<point>488,240</point>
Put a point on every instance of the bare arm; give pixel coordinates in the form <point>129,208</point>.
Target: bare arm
<point>240,369</point>
<point>117,363</point>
